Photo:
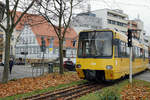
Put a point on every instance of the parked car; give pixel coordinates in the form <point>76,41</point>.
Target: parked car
<point>68,64</point>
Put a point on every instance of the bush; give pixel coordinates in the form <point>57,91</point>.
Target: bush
<point>109,94</point>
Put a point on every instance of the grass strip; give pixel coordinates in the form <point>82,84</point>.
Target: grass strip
<point>117,88</point>
<point>18,96</point>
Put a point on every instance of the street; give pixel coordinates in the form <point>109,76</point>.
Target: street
<point>144,76</point>
<point>21,71</point>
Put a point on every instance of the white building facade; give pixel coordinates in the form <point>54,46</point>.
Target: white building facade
<point>113,19</point>
<point>27,42</point>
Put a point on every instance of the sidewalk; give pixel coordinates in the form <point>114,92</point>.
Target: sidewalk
<point>21,71</point>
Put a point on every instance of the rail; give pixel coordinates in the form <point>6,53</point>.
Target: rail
<point>68,93</point>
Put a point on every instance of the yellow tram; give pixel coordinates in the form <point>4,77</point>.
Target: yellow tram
<point>104,55</point>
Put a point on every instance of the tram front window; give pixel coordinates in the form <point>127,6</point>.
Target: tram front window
<point>95,44</point>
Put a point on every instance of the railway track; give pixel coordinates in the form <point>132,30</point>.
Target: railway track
<point>69,93</point>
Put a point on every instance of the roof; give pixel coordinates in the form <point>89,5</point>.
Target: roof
<point>47,31</point>
<point>30,19</point>
<point>40,27</point>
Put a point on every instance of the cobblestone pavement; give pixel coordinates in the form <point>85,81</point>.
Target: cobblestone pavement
<point>21,71</point>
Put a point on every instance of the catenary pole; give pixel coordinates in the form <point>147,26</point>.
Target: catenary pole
<point>130,77</point>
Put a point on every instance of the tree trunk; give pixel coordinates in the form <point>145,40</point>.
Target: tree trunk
<point>6,62</point>
<point>61,71</point>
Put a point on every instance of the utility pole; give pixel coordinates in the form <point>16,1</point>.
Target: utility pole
<point>130,65</point>
<point>130,46</point>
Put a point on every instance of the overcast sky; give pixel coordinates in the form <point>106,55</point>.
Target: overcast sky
<point>131,7</point>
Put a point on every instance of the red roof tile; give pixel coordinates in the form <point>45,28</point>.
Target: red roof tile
<point>41,27</point>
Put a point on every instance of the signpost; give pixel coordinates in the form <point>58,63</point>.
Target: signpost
<point>51,44</point>
<point>43,49</point>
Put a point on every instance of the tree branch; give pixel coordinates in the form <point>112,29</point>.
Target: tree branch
<point>3,27</point>
<point>69,19</point>
<point>24,13</point>
<point>13,14</point>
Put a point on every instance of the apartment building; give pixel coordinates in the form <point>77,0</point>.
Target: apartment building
<point>113,19</point>
<point>138,26</point>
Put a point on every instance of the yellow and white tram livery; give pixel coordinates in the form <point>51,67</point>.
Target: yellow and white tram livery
<point>104,55</point>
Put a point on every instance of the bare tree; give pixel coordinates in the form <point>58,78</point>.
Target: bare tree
<point>58,13</point>
<point>8,24</point>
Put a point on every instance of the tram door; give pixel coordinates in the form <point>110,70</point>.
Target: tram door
<point>142,55</point>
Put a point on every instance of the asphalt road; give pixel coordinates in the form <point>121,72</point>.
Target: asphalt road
<point>21,71</point>
<point>144,76</point>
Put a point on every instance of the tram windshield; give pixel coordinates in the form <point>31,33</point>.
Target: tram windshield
<point>95,44</point>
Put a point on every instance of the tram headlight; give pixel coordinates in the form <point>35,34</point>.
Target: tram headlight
<point>109,67</point>
<point>78,66</point>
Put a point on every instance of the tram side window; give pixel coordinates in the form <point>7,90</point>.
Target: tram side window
<point>116,51</point>
<point>123,50</point>
<point>141,52</point>
<point>134,52</point>
<point>128,51</point>
<point>143,56</point>
<point>146,53</point>
<point>138,52</point>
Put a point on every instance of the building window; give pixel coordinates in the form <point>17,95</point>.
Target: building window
<point>116,23</point>
<point>30,40</point>
<point>109,21</point>
<point>38,50</point>
<point>47,50</point>
<point>29,50</point>
<point>55,51</point>
<point>33,39</point>
<point>113,22</point>
<point>34,50</point>
<point>16,51</point>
